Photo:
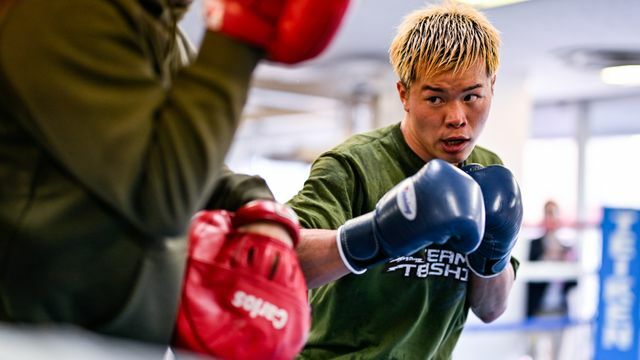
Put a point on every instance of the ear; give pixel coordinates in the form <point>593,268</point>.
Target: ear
<point>493,82</point>
<point>403,93</point>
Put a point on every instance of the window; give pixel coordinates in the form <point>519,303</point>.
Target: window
<point>550,172</point>
<point>611,174</point>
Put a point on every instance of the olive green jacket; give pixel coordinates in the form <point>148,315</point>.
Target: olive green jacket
<point>109,143</point>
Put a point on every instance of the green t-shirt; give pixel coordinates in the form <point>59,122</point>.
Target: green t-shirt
<point>408,308</point>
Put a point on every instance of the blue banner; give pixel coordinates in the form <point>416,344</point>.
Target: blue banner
<point>617,332</point>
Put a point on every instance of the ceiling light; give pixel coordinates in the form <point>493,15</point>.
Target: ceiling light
<point>621,75</point>
<point>485,4</point>
<point>598,58</point>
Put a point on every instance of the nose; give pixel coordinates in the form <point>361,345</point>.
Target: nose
<point>455,116</point>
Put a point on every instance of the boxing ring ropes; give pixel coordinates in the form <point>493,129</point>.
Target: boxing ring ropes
<point>603,321</point>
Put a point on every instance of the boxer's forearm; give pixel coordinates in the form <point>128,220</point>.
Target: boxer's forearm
<point>488,296</point>
<point>319,257</point>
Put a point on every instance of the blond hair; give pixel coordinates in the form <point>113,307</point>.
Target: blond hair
<point>448,37</point>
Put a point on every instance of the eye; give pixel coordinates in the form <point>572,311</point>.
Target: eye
<point>434,100</point>
<point>471,97</point>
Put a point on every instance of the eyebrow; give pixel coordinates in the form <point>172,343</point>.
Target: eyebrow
<point>437,89</point>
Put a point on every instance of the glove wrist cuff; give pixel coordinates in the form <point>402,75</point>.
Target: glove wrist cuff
<point>271,211</point>
<point>343,256</point>
<point>486,268</point>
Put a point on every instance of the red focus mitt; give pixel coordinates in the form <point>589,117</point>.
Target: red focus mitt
<point>290,31</point>
<point>244,295</point>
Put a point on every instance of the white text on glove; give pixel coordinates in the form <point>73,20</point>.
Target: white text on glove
<point>256,306</point>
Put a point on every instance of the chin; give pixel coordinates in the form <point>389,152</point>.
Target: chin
<point>454,158</point>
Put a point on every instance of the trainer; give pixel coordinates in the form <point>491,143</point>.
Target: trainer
<point>112,136</point>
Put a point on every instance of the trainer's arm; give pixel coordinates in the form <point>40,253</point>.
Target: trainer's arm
<point>147,143</point>
<point>319,257</point>
<point>488,296</point>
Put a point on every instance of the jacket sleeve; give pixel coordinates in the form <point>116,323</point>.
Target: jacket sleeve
<point>81,76</point>
<point>233,190</point>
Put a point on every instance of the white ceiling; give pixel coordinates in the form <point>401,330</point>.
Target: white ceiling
<point>533,35</point>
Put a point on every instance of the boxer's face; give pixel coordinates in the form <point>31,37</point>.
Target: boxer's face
<point>445,114</point>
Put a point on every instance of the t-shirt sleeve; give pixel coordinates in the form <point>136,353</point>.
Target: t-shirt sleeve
<point>325,201</point>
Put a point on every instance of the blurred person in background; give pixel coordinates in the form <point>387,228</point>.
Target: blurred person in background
<point>548,300</point>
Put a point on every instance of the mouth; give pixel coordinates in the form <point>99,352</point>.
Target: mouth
<point>454,144</point>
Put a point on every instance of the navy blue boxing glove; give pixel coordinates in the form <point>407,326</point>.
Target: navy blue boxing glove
<point>503,204</point>
<point>439,204</point>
